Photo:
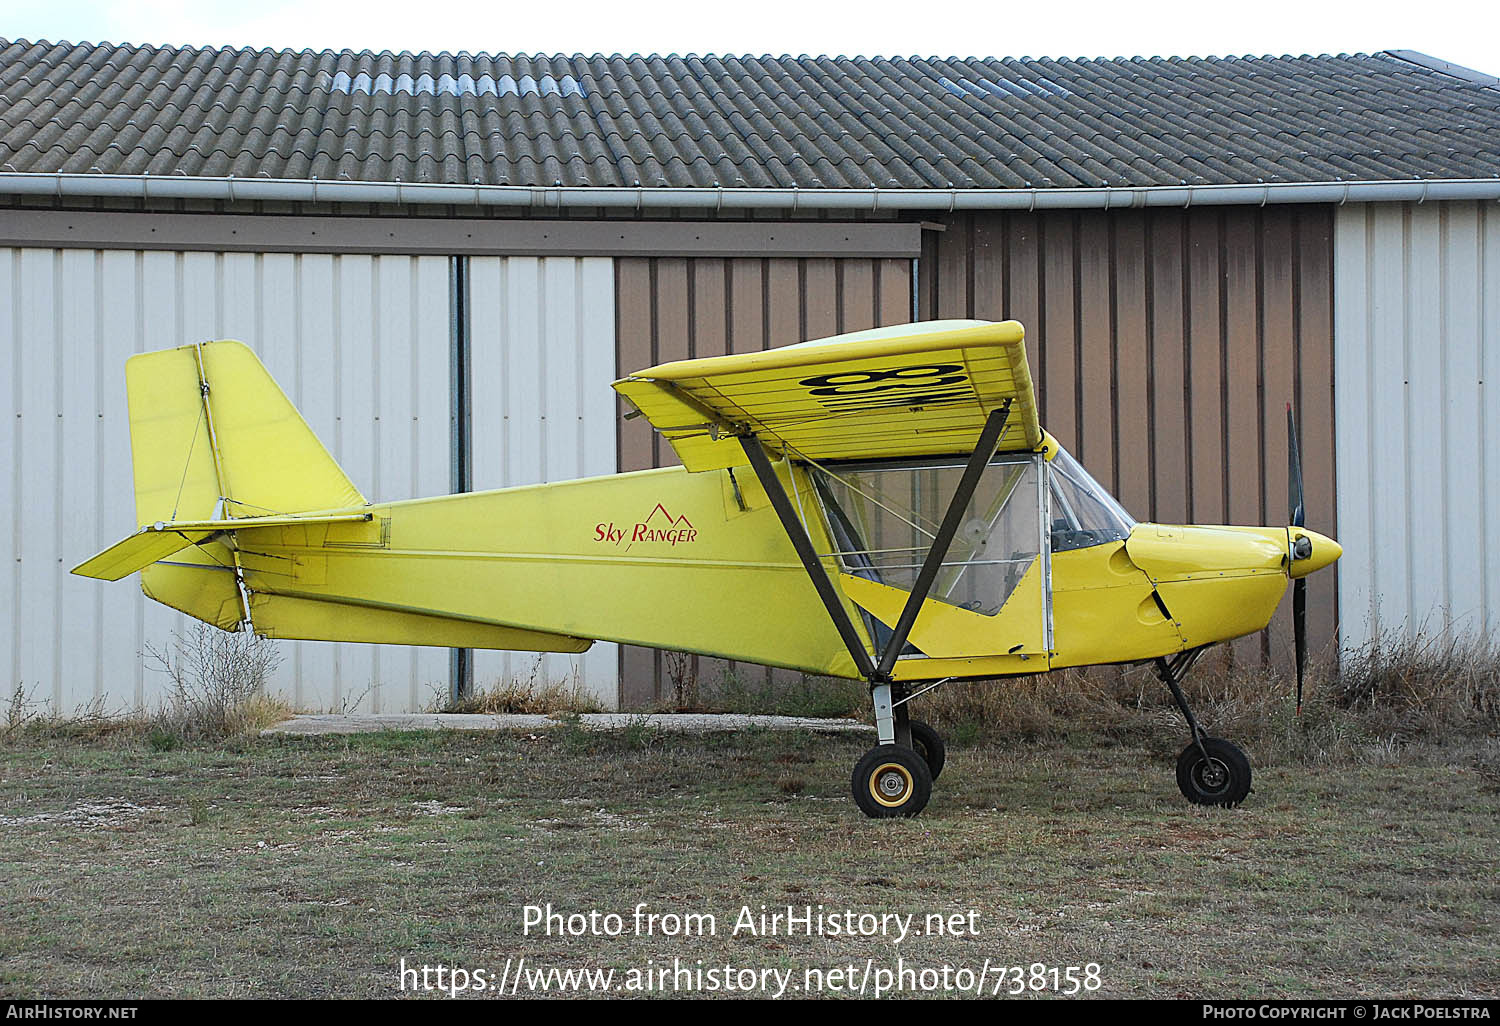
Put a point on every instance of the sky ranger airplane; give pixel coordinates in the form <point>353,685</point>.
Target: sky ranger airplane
<point>882,506</point>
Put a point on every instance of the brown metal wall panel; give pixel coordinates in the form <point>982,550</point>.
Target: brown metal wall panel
<point>894,295</point>
<point>1243,467</point>
<point>1022,277</point>
<point>955,267</point>
<point>821,317</point>
<point>1095,413</point>
<point>1166,344</point>
<point>671,309</point>
<point>856,287</point>
<point>1166,324</point>
<point>1278,380</point>
<point>1132,367</point>
<point>990,269</point>
<point>1061,384</point>
<point>1208,448</point>
<point>785,315</point>
<point>1312,258</point>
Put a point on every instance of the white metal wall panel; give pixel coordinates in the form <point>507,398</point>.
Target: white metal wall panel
<point>360,343</point>
<point>542,355</point>
<point>1417,323</point>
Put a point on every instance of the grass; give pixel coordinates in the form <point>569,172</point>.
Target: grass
<point>550,698</point>
<point>311,866</point>
<point>221,863</point>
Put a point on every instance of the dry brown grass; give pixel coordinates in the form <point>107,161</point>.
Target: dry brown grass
<point>532,695</point>
<point>1425,686</point>
<point>1384,697</point>
<point>216,691</point>
<point>308,867</point>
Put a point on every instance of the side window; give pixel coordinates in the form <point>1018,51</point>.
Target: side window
<point>883,520</point>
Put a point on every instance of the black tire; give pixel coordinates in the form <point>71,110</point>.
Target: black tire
<point>1224,779</point>
<point>890,782</point>
<point>929,745</point>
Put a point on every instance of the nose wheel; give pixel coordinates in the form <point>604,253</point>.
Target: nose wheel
<point>1213,771</point>
<point>1210,770</point>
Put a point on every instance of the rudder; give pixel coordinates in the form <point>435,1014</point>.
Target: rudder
<point>208,422</point>
<point>213,436</point>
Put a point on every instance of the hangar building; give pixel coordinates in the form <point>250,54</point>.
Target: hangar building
<point>446,258</point>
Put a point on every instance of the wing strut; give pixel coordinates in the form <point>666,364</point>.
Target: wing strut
<point>756,453</point>
<point>989,438</point>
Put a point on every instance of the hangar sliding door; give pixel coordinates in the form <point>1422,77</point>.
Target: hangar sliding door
<point>1165,345</point>
<point>541,355</point>
<point>1417,327</point>
<point>359,343</point>
<point>363,345</point>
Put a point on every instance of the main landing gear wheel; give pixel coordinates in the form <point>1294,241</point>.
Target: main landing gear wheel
<point>929,745</point>
<point>1221,779</point>
<point>891,781</point>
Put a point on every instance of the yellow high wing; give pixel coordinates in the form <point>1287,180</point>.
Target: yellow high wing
<point>912,390</point>
<point>941,388</point>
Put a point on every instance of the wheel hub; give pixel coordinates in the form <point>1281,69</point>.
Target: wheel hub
<point>891,784</point>
<point>1213,775</point>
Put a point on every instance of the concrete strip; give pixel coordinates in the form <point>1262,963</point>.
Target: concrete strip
<point>678,722</point>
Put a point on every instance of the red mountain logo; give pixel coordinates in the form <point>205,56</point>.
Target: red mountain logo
<point>659,526</point>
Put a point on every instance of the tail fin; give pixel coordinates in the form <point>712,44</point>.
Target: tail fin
<point>221,454</point>
<point>209,426</point>
<point>213,437</point>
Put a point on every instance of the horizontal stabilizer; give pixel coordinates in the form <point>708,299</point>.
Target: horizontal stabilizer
<point>138,552</point>
<point>156,542</point>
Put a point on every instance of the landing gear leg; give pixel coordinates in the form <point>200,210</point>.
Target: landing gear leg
<point>899,696</point>
<point>1210,770</point>
<point>893,779</point>
<point>885,714</point>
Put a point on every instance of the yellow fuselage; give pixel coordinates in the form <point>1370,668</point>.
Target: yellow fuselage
<point>700,563</point>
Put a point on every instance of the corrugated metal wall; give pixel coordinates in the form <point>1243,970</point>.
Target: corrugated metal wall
<point>1166,344</point>
<point>362,346</point>
<point>378,326</point>
<point>542,356</point>
<point>673,309</point>
<point>1417,325</point>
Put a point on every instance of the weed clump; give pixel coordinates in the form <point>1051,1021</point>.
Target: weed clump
<point>217,686</point>
<point>532,695</point>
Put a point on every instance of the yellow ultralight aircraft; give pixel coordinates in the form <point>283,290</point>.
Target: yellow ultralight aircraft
<point>882,506</point>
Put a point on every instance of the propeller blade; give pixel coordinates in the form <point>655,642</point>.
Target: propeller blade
<point>1299,589</point>
<point>1294,470</point>
<point>1299,628</point>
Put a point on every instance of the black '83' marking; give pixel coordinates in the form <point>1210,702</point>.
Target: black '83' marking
<point>921,385</point>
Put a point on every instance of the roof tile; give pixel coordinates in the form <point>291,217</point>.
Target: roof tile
<point>809,122</point>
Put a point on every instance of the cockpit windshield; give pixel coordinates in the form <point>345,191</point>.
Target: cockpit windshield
<point>1083,513</point>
